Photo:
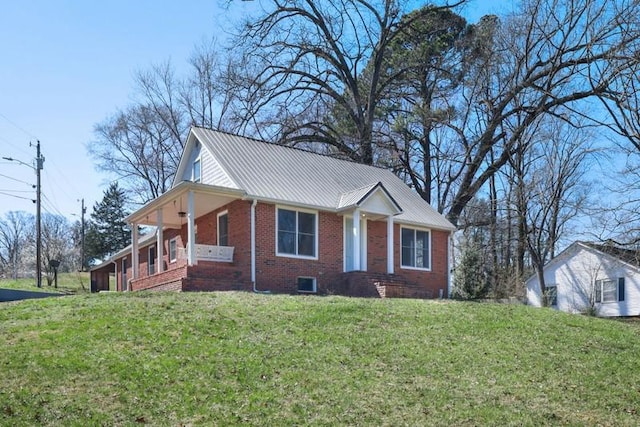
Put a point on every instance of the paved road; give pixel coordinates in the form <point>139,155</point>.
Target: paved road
<point>15,295</point>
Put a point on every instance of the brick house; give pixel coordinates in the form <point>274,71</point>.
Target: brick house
<point>243,214</point>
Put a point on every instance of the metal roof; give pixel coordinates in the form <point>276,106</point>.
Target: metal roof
<point>286,175</point>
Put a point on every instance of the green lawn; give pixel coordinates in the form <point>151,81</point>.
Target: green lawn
<point>69,283</point>
<point>246,359</point>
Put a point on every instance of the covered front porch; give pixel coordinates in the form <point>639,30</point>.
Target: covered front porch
<point>172,261</point>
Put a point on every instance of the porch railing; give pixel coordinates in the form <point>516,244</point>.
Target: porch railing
<point>210,253</point>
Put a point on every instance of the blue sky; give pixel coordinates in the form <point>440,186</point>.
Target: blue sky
<point>66,65</point>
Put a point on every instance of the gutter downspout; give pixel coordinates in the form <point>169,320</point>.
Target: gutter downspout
<point>450,264</point>
<point>253,248</point>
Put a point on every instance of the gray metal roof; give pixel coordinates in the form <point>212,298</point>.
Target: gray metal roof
<point>292,176</point>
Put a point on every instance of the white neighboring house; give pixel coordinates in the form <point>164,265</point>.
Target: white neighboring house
<point>586,274</point>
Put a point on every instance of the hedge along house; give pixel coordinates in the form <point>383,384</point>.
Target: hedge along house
<point>244,214</point>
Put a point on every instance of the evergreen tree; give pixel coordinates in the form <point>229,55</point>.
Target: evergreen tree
<point>107,232</point>
<point>471,278</point>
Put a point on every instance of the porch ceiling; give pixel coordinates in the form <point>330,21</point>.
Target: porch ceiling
<point>175,201</point>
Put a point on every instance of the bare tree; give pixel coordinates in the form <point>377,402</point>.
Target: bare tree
<point>548,59</point>
<point>555,190</point>
<point>319,70</point>
<point>57,244</point>
<point>138,148</point>
<point>141,145</point>
<point>16,232</point>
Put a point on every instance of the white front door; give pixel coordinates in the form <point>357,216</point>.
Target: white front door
<point>349,236</point>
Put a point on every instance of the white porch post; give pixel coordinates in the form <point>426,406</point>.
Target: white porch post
<point>160,243</point>
<point>134,251</point>
<point>390,244</point>
<point>191,230</point>
<point>356,240</point>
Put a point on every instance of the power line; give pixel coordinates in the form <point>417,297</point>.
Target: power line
<point>17,197</point>
<point>17,180</point>
<point>15,146</point>
<point>17,126</point>
<point>64,177</point>
<point>52,206</point>
<point>17,191</point>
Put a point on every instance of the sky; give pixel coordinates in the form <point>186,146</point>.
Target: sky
<point>66,65</point>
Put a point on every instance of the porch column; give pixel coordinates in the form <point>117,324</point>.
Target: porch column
<point>390,244</point>
<point>356,240</point>
<point>160,243</point>
<point>134,251</point>
<point>191,231</point>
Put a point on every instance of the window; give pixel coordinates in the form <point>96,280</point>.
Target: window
<point>609,290</point>
<point>173,250</point>
<point>415,249</point>
<point>307,284</point>
<point>552,294</point>
<point>152,260</point>
<point>296,233</point>
<point>223,229</point>
<point>124,274</point>
<point>196,170</point>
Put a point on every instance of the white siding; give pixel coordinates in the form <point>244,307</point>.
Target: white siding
<point>212,172</point>
<point>574,273</point>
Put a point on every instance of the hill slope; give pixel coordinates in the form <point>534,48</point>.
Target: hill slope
<point>237,358</point>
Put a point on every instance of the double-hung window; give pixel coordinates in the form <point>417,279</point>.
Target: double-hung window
<point>609,290</point>
<point>296,233</point>
<point>173,250</point>
<point>416,248</point>
<point>223,229</point>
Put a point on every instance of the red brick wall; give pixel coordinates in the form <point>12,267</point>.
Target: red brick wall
<point>435,279</point>
<point>278,273</point>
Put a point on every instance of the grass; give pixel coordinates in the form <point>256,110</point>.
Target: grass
<point>246,359</point>
<point>68,283</point>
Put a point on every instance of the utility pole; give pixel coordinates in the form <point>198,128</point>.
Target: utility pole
<point>83,260</point>
<point>38,167</point>
<point>39,163</point>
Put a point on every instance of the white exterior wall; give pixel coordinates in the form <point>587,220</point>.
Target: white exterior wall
<point>212,172</point>
<point>575,271</point>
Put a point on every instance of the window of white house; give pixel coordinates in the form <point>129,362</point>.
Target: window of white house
<point>307,284</point>
<point>296,233</point>
<point>223,229</point>
<point>196,170</point>
<point>152,260</point>
<point>173,250</point>
<point>609,290</point>
<point>552,294</point>
<point>416,252</point>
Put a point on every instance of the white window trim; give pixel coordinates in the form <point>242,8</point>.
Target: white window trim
<point>175,255</point>
<point>315,285</point>
<point>225,212</point>
<point>600,283</point>
<point>408,267</point>
<point>150,258</point>
<point>317,237</point>
<point>193,169</point>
